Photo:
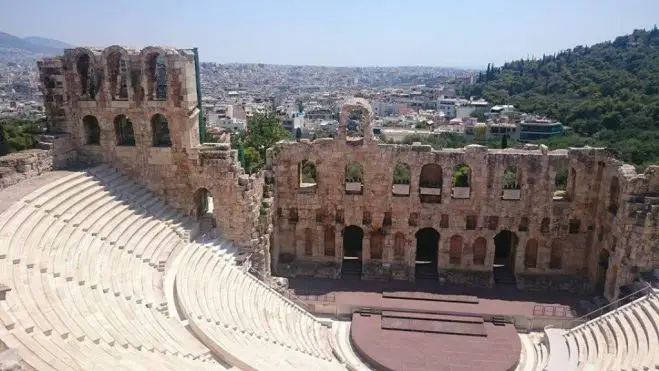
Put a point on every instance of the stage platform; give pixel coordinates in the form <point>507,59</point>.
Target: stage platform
<point>526,310</point>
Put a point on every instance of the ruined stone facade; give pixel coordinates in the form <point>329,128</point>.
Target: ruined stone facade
<point>593,235</point>
<point>323,206</point>
<point>138,110</point>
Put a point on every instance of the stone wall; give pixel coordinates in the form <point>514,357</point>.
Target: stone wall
<point>559,238</point>
<point>54,152</point>
<point>94,95</point>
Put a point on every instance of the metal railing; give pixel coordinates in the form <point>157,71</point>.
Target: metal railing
<point>572,323</point>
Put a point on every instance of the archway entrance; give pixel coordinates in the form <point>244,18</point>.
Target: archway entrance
<point>602,270</point>
<point>203,209</point>
<point>505,245</point>
<point>353,237</point>
<point>427,251</point>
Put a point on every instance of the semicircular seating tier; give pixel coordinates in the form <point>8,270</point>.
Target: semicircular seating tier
<point>626,338</point>
<point>244,320</point>
<point>85,259</point>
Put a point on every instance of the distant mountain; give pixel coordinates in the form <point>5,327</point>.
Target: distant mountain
<point>48,43</point>
<point>32,44</point>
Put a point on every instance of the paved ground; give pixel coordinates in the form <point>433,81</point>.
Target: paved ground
<point>420,351</point>
<point>14,193</point>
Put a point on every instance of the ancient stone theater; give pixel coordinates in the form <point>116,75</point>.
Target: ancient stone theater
<point>128,243</point>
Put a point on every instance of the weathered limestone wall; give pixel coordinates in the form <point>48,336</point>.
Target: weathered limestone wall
<point>569,232</point>
<point>56,153</point>
<point>174,171</point>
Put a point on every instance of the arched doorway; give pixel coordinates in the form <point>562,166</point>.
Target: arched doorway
<point>505,244</point>
<point>203,210</point>
<point>353,237</point>
<point>602,270</point>
<point>427,251</point>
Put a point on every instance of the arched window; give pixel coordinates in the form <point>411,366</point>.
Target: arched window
<point>329,242</point>
<point>544,226</point>
<point>87,77</point>
<point>156,72</point>
<point>461,181</point>
<point>160,130</point>
<point>510,183</point>
<point>203,201</point>
<point>377,244</point>
<point>531,254</point>
<point>402,178</point>
<point>123,129</point>
<point>307,174</point>
<point>92,130</point>
<point>480,251</point>
<point>117,75</point>
<point>556,255</point>
<point>430,183</point>
<point>308,242</point>
<point>560,184</point>
<point>614,195</point>
<point>455,250</point>
<point>399,246</point>
<point>354,178</point>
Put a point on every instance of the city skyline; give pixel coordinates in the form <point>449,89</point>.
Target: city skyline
<point>340,34</point>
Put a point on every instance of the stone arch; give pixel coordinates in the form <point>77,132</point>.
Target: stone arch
<point>155,71</point>
<point>480,251</point>
<point>354,175</point>
<point>117,67</point>
<point>455,250</point>
<point>308,242</point>
<point>92,130</point>
<point>560,184</point>
<point>531,253</point>
<point>88,79</point>
<point>545,225</point>
<point>353,237</point>
<point>510,183</point>
<point>505,246</point>
<point>377,244</point>
<point>614,195</point>
<point>556,255</point>
<point>307,176</point>
<point>399,246</point>
<point>461,181</point>
<point>401,179</point>
<point>427,253</point>
<point>430,183</point>
<point>160,131</point>
<point>329,242</point>
<point>355,119</point>
<point>123,129</point>
<point>203,202</point>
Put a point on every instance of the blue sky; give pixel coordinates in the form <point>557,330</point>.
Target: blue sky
<point>336,32</point>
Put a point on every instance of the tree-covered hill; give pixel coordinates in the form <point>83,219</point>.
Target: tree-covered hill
<point>608,93</point>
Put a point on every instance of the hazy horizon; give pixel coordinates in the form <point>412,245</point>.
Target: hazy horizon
<point>338,34</point>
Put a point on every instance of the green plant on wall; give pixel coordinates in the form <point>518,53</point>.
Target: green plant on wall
<point>402,173</point>
<point>509,179</point>
<point>354,172</point>
<point>461,176</point>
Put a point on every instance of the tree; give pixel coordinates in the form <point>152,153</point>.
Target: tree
<point>263,131</point>
<point>300,106</point>
<point>606,93</point>
<point>298,133</point>
<point>504,141</point>
<point>4,145</point>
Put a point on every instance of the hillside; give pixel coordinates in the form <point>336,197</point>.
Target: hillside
<point>32,44</point>
<point>608,93</point>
